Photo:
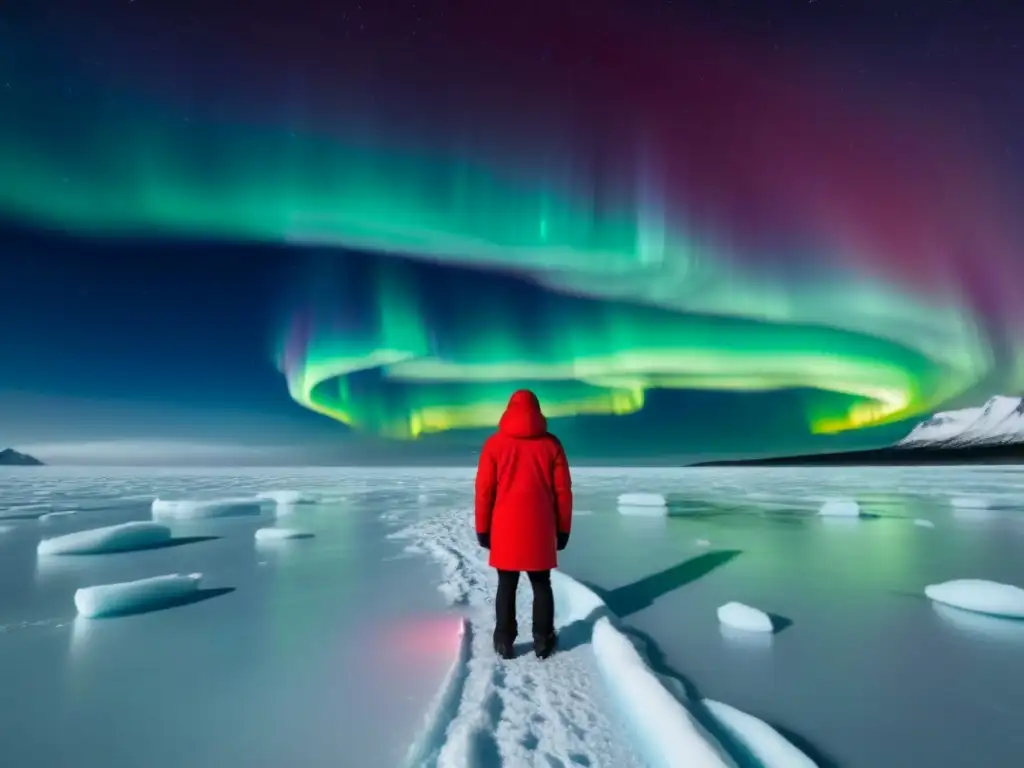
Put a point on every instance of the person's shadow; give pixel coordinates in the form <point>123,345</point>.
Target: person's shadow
<point>631,598</point>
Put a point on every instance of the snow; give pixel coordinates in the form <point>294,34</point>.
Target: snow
<point>281,534</point>
<point>186,509</point>
<point>641,510</point>
<point>642,500</point>
<point>941,427</point>
<point>135,596</point>
<point>766,744</point>
<point>922,523</point>
<point>840,508</point>
<point>980,596</point>
<point>287,498</point>
<point>745,618</point>
<point>124,537</point>
<point>999,421</point>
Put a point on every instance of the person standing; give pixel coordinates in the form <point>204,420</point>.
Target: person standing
<point>523,511</point>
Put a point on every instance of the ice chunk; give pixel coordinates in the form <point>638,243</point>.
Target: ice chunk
<point>743,617</point>
<point>57,515</point>
<point>642,500</point>
<point>423,498</point>
<point>980,596</point>
<point>196,509</point>
<point>287,498</point>
<point>6,528</point>
<point>281,534</point>
<point>113,538</point>
<point>702,543</point>
<point>969,502</point>
<point>840,508</point>
<point>649,510</point>
<point>136,596</point>
<point>922,523</point>
<point>667,732</point>
<point>766,744</point>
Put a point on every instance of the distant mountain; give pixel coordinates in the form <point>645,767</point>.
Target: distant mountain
<point>999,422</point>
<point>990,434</point>
<point>12,458</point>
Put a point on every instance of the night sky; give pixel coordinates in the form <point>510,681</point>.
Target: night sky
<point>336,232</point>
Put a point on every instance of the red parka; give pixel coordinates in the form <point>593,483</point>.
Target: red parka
<point>523,489</point>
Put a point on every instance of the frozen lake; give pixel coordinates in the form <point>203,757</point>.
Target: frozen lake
<point>330,650</point>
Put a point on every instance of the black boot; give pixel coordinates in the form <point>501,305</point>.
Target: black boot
<point>545,645</point>
<point>504,646</point>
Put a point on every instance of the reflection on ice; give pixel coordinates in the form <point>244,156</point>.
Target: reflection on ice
<point>974,514</point>
<point>990,628</point>
<point>81,630</point>
<point>839,523</point>
<point>739,638</point>
<point>74,568</point>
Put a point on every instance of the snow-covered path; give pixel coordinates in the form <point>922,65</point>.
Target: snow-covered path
<point>522,712</point>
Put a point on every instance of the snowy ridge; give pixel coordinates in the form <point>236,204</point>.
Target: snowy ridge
<point>519,712</point>
<point>999,422</point>
<point>556,712</point>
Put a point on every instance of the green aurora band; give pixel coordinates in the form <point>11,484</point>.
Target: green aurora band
<point>421,360</point>
<point>628,297</point>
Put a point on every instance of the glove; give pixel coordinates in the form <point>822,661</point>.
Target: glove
<point>563,540</point>
<point>484,539</point>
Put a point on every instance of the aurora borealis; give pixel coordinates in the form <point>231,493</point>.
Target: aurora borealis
<point>598,203</point>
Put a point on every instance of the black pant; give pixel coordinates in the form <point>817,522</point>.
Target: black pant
<point>505,604</point>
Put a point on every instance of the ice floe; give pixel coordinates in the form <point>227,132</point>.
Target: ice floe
<point>642,500</point>
<point>195,509</point>
<point>840,508</point>
<point>745,618</point>
<point>980,596</point>
<point>288,498</point>
<point>135,596</point>
<point>281,534</point>
<point>643,511</point>
<point>112,538</point>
